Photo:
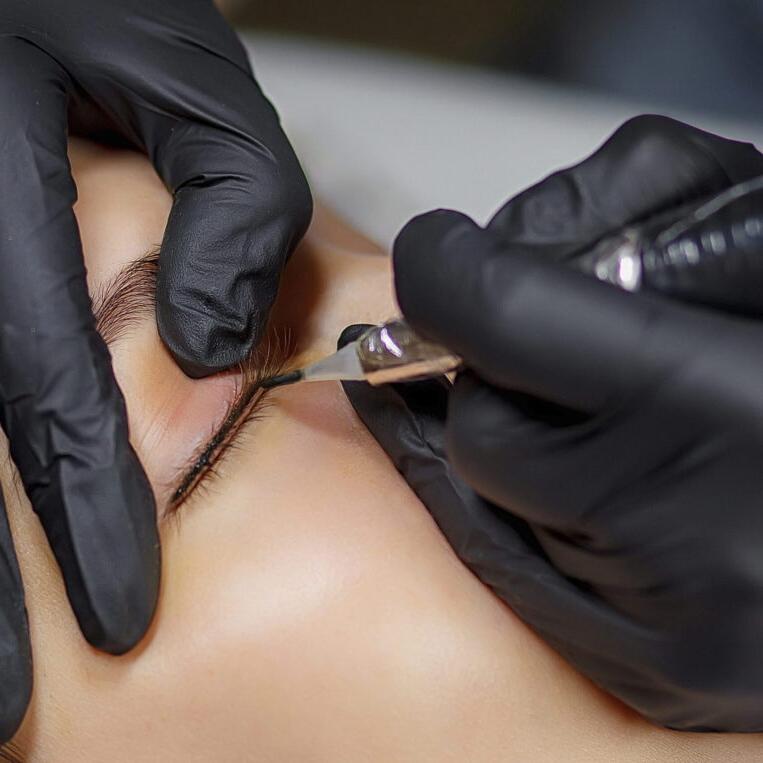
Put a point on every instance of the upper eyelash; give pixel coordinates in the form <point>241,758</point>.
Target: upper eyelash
<point>206,476</point>
<point>212,450</point>
<point>245,407</point>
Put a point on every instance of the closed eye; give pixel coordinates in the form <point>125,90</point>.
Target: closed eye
<point>247,406</point>
<point>130,298</point>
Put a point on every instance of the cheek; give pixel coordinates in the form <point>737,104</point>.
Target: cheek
<point>262,570</point>
<point>297,515</point>
<point>290,585</point>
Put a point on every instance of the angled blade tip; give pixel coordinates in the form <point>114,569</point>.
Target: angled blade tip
<point>283,379</point>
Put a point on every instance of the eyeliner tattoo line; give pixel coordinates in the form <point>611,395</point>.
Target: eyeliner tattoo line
<point>205,458</point>
<point>254,371</point>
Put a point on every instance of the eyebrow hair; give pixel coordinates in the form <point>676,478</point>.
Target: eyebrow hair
<point>128,298</point>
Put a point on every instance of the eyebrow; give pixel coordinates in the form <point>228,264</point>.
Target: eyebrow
<point>127,298</point>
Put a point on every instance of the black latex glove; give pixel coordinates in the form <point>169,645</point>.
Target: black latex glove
<point>172,79</point>
<point>599,464</point>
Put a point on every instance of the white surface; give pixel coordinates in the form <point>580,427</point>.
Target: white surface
<point>384,137</point>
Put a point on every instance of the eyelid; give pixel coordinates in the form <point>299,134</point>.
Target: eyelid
<point>246,406</point>
<point>202,467</point>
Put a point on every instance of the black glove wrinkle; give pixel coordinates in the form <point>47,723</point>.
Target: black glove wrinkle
<point>649,164</point>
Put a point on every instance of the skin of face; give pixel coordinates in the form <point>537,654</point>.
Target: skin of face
<point>310,609</point>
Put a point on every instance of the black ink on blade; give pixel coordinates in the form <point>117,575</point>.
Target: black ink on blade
<point>279,381</point>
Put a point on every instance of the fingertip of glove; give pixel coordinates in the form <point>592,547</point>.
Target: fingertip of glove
<point>120,635</point>
<point>110,553</point>
<point>351,333</point>
<point>427,231</point>
<point>197,369</point>
<point>117,633</point>
<point>122,641</point>
<point>430,256</point>
<point>203,350</point>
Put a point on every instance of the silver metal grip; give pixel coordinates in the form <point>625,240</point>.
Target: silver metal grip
<point>616,260</point>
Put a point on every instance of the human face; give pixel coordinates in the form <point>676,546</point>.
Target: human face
<point>310,610</point>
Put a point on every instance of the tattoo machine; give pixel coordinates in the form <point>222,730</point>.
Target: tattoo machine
<point>709,253</point>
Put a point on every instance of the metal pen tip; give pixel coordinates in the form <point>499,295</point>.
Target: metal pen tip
<point>282,379</point>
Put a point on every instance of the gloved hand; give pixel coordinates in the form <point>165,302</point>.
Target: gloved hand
<point>599,464</point>
<point>172,79</point>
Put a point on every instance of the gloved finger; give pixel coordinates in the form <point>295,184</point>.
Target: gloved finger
<point>502,551</point>
<point>59,402</point>
<point>241,200</point>
<point>559,469</point>
<point>237,216</point>
<point>649,164</point>
<point>15,653</point>
<point>534,326</point>
<point>515,451</point>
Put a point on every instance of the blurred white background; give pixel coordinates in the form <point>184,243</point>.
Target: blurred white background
<point>400,107</point>
<point>384,136</point>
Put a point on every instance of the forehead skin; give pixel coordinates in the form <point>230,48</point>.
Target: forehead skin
<point>310,609</point>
